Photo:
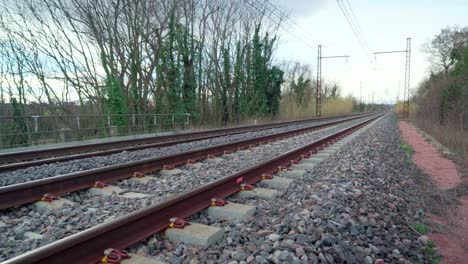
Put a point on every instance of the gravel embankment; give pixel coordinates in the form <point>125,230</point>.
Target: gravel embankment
<point>90,210</point>
<point>355,207</point>
<point>54,169</point>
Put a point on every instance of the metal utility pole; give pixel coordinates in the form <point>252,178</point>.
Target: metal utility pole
<point>361,105</point>
<point>407,79</point>
<point>318,92</point>
<point>406,89</point>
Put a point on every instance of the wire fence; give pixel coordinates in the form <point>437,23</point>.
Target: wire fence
<point>17,131</point>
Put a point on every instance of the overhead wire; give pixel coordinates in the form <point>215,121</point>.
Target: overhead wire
<point>359,28</point>
<point>281,25</point>
<point>293,27</point>
<point>292,22</point>
<point>352,26</point>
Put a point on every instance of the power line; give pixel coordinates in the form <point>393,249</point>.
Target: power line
<point>288,17</point>
<point>294,26</point>
<point>278,22</point>
<point>353,26</point>
<point>358,26</point>
<point>291,23</point>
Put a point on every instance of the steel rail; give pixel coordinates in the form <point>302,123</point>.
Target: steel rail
<point>11,157</point>
<point>22,193</point>
<point>185,139</point>
<point>124,231</point>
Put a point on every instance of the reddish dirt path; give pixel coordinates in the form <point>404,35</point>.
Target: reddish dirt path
<point>443,171</point>
<point>453,244</point>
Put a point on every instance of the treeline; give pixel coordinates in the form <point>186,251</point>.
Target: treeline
<point>443,96</point>
<point>442,99</point>
<point>210,58</point>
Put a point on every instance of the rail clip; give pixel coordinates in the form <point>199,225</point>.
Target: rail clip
<point>168,167</point>
<point>178,223</point>
<point>210,156</point>
<point>48,197</point>
<point>191,161</point>
<point>292,162</point>
<point>282,168</point>
<point>114,256</point>
<point>99,184</point>
<point>138,175</point>
<point>227,152</point>
<point>218,202</point>
<point>267,176</point>
<point>246,187</point>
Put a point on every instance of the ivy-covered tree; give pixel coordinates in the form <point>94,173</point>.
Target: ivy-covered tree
<point>275,80</point>
<point>225,85</point>
<point>261,56</point>
<point>19,125</point>
<point>299,87</point>
<point>115,102</point>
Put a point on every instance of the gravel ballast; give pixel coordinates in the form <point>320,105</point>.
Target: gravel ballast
<point>54,169</point>
<point>90,210</point>
<point>357,206</point>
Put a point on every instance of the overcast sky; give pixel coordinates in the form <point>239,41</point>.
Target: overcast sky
<point>385,24</point>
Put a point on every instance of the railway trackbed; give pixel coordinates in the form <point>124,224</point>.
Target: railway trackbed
<point>23,159</point>
<point>154,216</point>
<point>30,191</point>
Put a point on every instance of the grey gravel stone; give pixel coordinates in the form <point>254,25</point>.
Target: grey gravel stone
<point>274,237</point>
<point>368,260</point>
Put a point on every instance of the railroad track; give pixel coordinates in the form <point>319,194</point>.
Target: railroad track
<point>23,159</point>
<point>127,230</point>
<point>22,193</point>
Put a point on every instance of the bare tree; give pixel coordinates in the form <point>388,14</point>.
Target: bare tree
<point>443,46</point>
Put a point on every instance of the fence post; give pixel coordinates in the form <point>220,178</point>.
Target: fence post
<point>187,120</point>
<point>465,158</point>
<point>173,120</point>
<point>78,122</point>
<point>154,121</point>
<point>35,118</point>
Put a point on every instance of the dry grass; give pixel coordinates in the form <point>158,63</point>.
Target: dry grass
<point>412,110</point>
<point>289,109</point>
<point>450,136</point>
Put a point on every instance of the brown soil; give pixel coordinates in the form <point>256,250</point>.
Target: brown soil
<point>451,236</point>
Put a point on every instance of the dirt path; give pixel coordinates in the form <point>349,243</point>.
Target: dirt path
<point>454,242</point>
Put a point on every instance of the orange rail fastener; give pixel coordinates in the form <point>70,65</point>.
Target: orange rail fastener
<point>168,167</point>
<point>246,187</point>
<point>178,223</point>
<point>218,202</point>
<point>48,197</point>
<point>138,175</point>
<point>99,184</point>
<point>114,256</point>
<point>191,161</point>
